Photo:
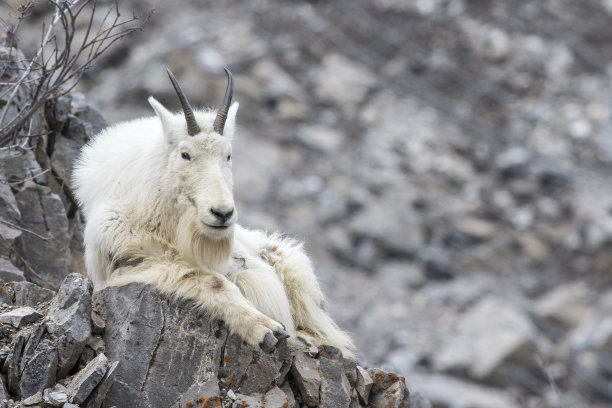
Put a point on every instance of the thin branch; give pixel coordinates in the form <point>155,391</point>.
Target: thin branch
<point>10,224</point>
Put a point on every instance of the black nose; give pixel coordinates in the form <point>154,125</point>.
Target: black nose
<point>222,215</point>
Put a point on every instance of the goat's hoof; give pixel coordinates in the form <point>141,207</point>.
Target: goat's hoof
<point>268,343</point>
<point>281,334</point>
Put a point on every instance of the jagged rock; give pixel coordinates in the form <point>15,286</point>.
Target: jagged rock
<point>152,337</point>
<point>87,379</point>
<point>20,317</point>
<point>11,364</point>
<point>69,319</point>
<point>9,272</point>
<point>335,389</point>
<point>98,395</point>
<point>393,396</point>
<point>40,370</point>
<point>249,371</point>
<point>305,371</point>
<point>364,384</point>
<point>47,249</point>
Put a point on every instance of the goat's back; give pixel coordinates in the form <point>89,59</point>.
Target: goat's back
<point>120,163</point>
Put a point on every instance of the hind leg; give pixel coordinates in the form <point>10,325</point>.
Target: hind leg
<point>301,286</point>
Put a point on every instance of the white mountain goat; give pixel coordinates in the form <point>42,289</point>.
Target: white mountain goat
<point>157,196</point>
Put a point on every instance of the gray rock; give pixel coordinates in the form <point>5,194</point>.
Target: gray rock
<point>10,236</point>
<point>35,335</point>
<point>20,317</point>
<point>393,396</point>
<point>30,294</point>
<point>151,337</point>
<point>335,389</point>
<point>47,249</point>
<point>98,395</point>
<point>8,205</point>
<point>35,399</point>
<point>305,372</point>
<point>9,272</point>
<point>4,395</point>
<point>247,401</point>
<point>11,364</point>
<point>276,398</point>
<point>448,391</point>
<point>364,384</point>
<point>39,371</point>
<point>55,398</point>
<point>493,337</point>
<point>343,81</point>
<point>69,319</point>
<point>566,305</point>
<point>291,403</point>
<point>7,294</point>
<point>249,370</point>
<point>84,382</point>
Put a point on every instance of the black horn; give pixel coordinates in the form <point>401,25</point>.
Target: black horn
<point>192,125</point>
<point>225,104</point>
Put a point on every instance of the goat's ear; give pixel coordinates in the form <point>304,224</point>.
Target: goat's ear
<point>230,122</point>
<point>162,113</point>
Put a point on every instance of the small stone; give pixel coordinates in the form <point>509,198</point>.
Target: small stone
<point>33,399</point>
<point>305,371</point>
<point>566,305</point>
<point>55,398</point>
<point>231,394</point>
<point>87,379</point>
<point>276,398</point>
<point>20,317</point>
<point>475,228</point>
<point>247,401</point>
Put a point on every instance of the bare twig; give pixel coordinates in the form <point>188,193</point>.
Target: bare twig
<point>10,224</point>
<point>59,64</point>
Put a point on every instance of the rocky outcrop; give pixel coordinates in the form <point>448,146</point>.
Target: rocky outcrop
<point>159,352</point>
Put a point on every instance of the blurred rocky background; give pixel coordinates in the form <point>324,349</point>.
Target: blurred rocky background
<point>447,162</point>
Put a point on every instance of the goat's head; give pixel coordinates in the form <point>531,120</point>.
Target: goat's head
<point>199,160</point>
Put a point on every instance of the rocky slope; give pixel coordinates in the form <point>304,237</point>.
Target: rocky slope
<point>130,347</point>
<point>447,162</point>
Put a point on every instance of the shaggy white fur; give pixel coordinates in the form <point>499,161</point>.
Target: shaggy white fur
<point>147,190</point>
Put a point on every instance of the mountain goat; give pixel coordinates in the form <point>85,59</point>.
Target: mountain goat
<point>157,196</point>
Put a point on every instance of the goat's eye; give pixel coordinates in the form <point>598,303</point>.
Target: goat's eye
<point>229,157</point>
<point>185,156</point>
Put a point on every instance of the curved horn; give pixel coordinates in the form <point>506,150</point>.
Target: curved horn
<point>225,104</point>
<point>192,126</point>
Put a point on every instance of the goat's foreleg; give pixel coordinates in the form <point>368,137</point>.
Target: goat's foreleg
<point>213,293</point>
